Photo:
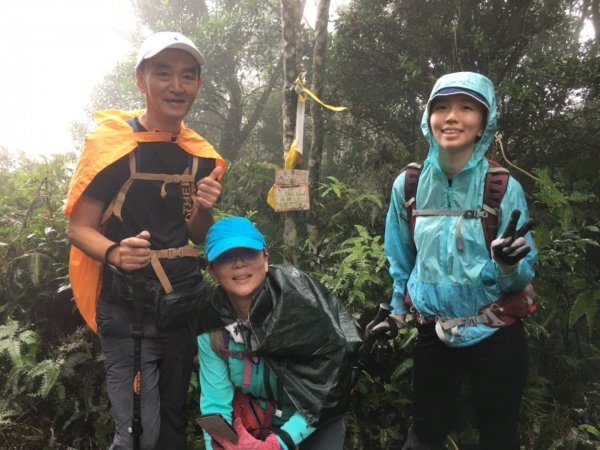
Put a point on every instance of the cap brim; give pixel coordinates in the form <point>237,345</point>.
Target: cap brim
<point>445,92</point>
<point>176,45</point>
<point>227,244</point>
<point>180,46</point>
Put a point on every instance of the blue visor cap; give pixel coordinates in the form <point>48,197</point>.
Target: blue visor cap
<point>459,90</point>
<point>232,232</point>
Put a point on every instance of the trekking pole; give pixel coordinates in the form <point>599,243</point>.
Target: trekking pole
<point>364,355</point>
<point>137,332</point>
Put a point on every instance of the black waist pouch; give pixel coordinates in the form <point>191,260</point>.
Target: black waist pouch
<point>180,305</point>
<point>175,308</point>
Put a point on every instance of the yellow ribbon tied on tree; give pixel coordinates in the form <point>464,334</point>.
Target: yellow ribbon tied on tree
<point>294,154</point>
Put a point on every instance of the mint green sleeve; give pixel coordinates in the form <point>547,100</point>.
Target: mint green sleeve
<point>297,428</point>
<point>216,388</point>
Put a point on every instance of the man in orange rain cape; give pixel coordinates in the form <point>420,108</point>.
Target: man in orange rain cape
<point>144,187</point>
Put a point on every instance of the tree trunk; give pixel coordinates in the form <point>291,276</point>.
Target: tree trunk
<point>264,97</point>
<point>291,15</point>
<point>595,18</point>
<point>231,141</point>
<point>318,121</point>
<point>290,21</point>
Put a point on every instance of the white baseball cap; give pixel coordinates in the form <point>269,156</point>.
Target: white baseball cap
<point>163,40</point>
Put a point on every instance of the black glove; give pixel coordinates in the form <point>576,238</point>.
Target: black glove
<point>511,247</point>
<point>382,324</point>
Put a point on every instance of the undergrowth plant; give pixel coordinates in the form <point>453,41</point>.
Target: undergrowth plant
<point>51,377</point>
<point>558,410</point>
<point>52,393</point>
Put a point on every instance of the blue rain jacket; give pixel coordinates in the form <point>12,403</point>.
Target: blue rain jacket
<point>440,279</point>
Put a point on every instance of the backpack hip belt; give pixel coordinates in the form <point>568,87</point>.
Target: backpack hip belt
<point>508,308</point>
<point>500,313</point>
<point>169,253</point>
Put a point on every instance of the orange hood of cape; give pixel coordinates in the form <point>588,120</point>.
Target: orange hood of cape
<point>113,139</point>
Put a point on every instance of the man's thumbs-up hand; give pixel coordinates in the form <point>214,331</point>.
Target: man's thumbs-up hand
<point>208,189</point>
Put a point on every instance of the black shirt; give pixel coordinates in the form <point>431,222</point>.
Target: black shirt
<point>144,208</point>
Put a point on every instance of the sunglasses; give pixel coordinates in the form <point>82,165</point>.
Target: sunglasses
<point>247,255</point>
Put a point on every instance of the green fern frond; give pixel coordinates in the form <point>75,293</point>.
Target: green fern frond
<point>9,329</point>
<point>7,412</point>
<point>13,341</point>
<point>49,371</point>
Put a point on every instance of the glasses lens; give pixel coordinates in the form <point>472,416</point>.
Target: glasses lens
<point>245,254</point>
<point>250,255</point>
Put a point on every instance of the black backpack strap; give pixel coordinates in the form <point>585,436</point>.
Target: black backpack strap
<point>496,182</point>
<point>276,401</point>
<point>411,182</point>
<point>226,353</point>
<point>282,434</point>
<point>267,382</point>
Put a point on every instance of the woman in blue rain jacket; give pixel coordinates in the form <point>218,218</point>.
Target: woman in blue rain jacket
<point>444,272</point>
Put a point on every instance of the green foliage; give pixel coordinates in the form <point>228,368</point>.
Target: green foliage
<point>13,340</point>
<point>351,262</point>
<point>52,389</point>
<point>361,271</point>
<point>586,303</point>
<point>568,244</point>
<point>565,351</point>
<point>385,55</point>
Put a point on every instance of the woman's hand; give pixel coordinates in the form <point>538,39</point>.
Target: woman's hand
<point>511,247</point>
<point>384,323</point>
<point>245,440</point>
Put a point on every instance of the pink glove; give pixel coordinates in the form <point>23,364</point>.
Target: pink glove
<point>245,440</point>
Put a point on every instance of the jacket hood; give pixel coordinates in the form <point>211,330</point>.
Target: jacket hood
<point>473,82</point>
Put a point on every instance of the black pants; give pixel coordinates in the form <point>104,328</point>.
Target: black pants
<point>329,436</point>
<point>497,369</point>
<point>167,365</point>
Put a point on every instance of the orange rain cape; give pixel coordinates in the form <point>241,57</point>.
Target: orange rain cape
<point>113,139</point>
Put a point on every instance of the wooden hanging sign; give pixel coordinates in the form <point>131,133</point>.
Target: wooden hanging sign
<point>290,191</point>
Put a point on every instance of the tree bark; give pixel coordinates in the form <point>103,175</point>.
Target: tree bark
<point>291,14</point>
<point>595,18</point>
<point>231,141</point>
<point>260,106</point>
<point>290,21</point>
<point>318,120</point>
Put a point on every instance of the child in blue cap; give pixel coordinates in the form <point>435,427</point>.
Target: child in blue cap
<point>287,346</point>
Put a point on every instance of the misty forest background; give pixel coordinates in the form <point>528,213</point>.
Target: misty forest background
<point>380,60</point>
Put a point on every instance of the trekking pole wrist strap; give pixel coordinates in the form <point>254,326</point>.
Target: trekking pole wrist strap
<point>285,437</point>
